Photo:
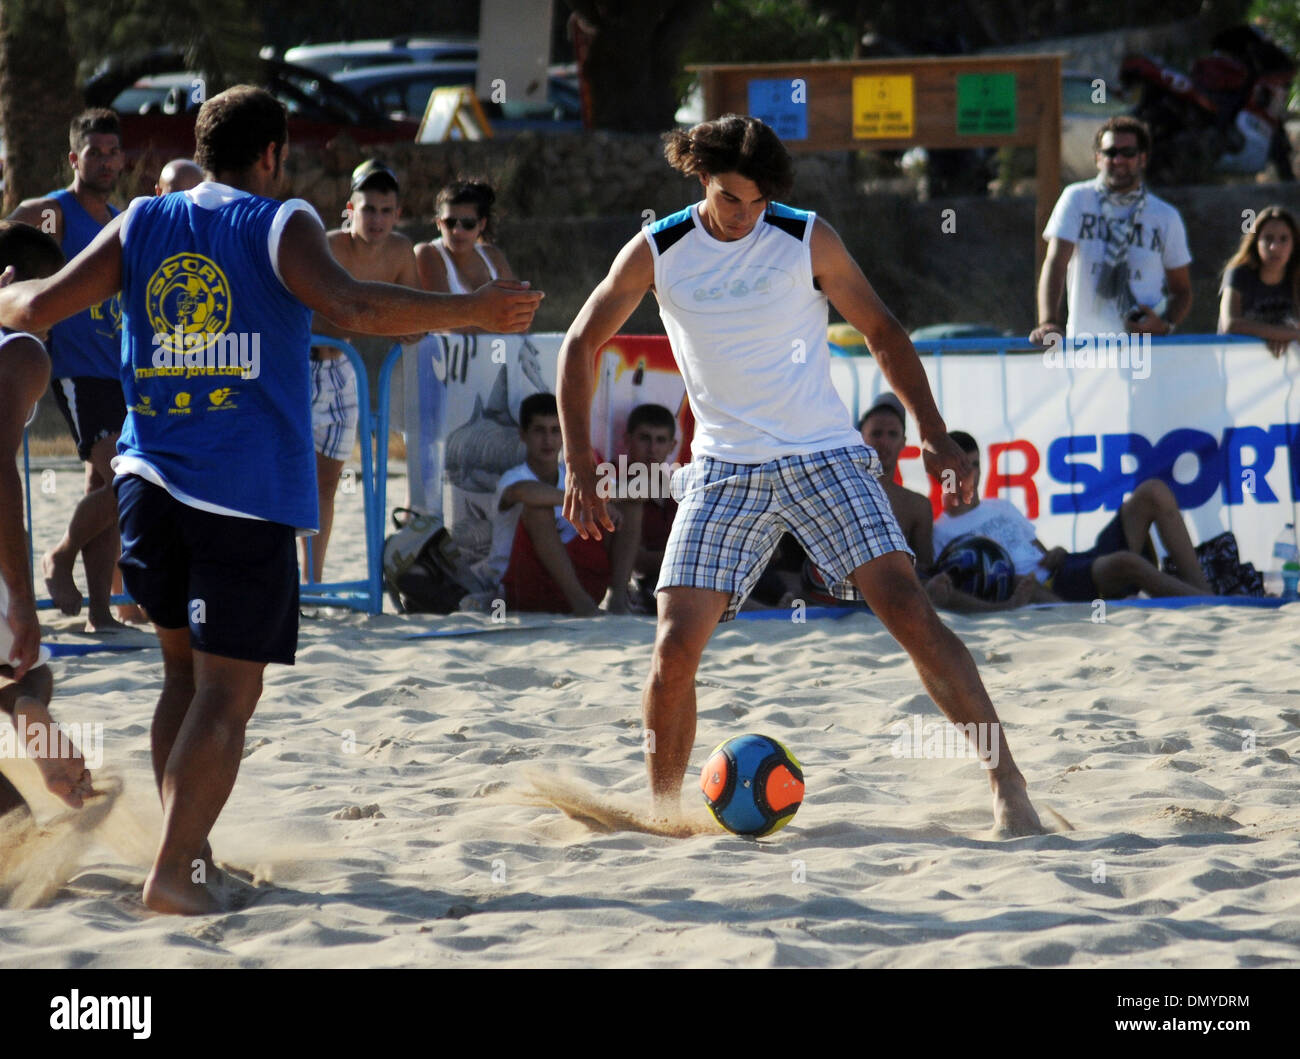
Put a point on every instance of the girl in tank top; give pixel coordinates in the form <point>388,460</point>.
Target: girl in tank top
<point>458,262</point>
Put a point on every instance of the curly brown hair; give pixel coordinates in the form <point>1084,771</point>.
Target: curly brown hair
<point>733,144</point>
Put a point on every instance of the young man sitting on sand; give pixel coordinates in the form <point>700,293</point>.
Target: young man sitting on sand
<point>25,681</point>
<point>649,441</point>
<point>1120,562</point>
<point>544,565</point>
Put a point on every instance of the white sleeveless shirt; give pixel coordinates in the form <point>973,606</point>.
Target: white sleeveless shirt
<point>747,327</point>
<point>454,284</point>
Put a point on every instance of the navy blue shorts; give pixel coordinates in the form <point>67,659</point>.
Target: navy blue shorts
<point>233,581</point>
<point>93,408</point>
<point>1073,578</point>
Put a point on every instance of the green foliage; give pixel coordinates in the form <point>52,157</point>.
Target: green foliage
<point>219,37</point>
<point>1281,22</point>
<point>746,31</point>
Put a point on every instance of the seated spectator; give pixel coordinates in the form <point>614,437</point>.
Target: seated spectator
<point>649,441</point>
<point>542,563</point>
<point>1120,562</point>
<point>884,428</point>
<point>1260,295</point>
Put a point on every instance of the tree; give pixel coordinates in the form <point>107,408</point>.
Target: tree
<point>634,59</point>
<point>38,96</point>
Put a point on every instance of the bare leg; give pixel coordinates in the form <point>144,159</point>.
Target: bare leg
<point>99,553</point>
<point>199,776</point>
<point>687,618</point>
<point>890,587</point>
<point>169,714</point>
<point>328,473</point>
<point>56,757</point>
<point>1153,503</point>
<point>622,548</point>
<point>1117,573</point>
<point>540,525</point>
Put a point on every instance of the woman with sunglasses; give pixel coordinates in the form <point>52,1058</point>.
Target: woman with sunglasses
<point>1260,295</point>
<point>460,261</point>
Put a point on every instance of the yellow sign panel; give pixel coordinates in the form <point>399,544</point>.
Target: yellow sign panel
<point>882,107</point>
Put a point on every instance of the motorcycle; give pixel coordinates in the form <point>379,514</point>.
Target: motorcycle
<point>1227,117</point>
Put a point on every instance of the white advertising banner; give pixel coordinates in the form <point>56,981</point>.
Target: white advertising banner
<point>1065,438</point>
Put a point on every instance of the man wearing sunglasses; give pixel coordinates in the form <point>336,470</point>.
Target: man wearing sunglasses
<point>1121,250</point>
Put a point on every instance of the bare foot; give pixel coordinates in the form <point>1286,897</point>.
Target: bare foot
<point>1013,813</point>
<point>104,623</point>
<point>131,614</point>
<point>60,584</point>
<point>54,754</point>
<point>178,896</point>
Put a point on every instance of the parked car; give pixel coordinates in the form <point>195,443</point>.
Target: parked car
<point>340,56</point>
<point>402,91</point>
<point>158,99</point>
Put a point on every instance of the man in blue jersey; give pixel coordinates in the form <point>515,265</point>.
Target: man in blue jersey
<point>85,352</point>
<point>216,469</point>
<point>743,284</point>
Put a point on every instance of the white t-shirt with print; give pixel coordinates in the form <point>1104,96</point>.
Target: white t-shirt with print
<point>1158,243</point>
<point>999,520</point>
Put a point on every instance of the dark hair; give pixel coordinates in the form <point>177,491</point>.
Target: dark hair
<point>33,254</point>
<point>233,129</point>
<point>90,122</point>
<point>478,193</point>
<point>534,405</point>
<point>651,415</point>
<point>1124,123</point>
<point>378,182</point>
<point>965,441</point>
<point>1247,252</point>
<point>733,144</point>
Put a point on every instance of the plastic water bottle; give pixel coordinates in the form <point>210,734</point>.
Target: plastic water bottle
<point>1284,572</point>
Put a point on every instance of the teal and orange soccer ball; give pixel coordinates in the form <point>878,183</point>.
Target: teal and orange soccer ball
<point>753,785</point>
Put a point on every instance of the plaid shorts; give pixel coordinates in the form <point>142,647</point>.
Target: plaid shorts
<point>731,516</point>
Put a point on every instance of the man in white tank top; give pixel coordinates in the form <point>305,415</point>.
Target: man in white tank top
<point>25,681</point>
<point>743,285</point>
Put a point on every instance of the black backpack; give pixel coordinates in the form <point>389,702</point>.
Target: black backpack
<point>423,569</point>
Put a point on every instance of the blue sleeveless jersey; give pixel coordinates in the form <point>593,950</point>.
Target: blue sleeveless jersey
<point>216,358</point>
<point>90,343</point>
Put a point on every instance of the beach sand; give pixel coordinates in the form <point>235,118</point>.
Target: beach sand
<point>391,812</point>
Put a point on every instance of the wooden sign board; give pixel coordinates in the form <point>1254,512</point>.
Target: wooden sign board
<point>895,104</point>
<point>453,114</point>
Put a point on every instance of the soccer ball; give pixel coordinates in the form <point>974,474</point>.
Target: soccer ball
<point>753,785</point>
<point>978,566</point>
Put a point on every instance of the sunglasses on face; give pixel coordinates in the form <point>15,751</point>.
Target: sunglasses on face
<point>1119,152</point>
<point>466,224</point>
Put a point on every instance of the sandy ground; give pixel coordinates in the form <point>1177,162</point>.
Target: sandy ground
<point>388,814</point>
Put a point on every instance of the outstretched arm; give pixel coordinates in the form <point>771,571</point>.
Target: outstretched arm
<point>608,308</point>
<point>313,277</point>
<point>848,290</point>
<point>86,280</point>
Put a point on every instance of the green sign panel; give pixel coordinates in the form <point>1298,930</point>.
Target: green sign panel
<point>986,104</point>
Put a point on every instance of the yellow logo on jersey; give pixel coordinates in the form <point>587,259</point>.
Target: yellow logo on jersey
<point>218,398</point>
<point>182,408</point>
<point>110,310</point>
<point>187,295</point>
